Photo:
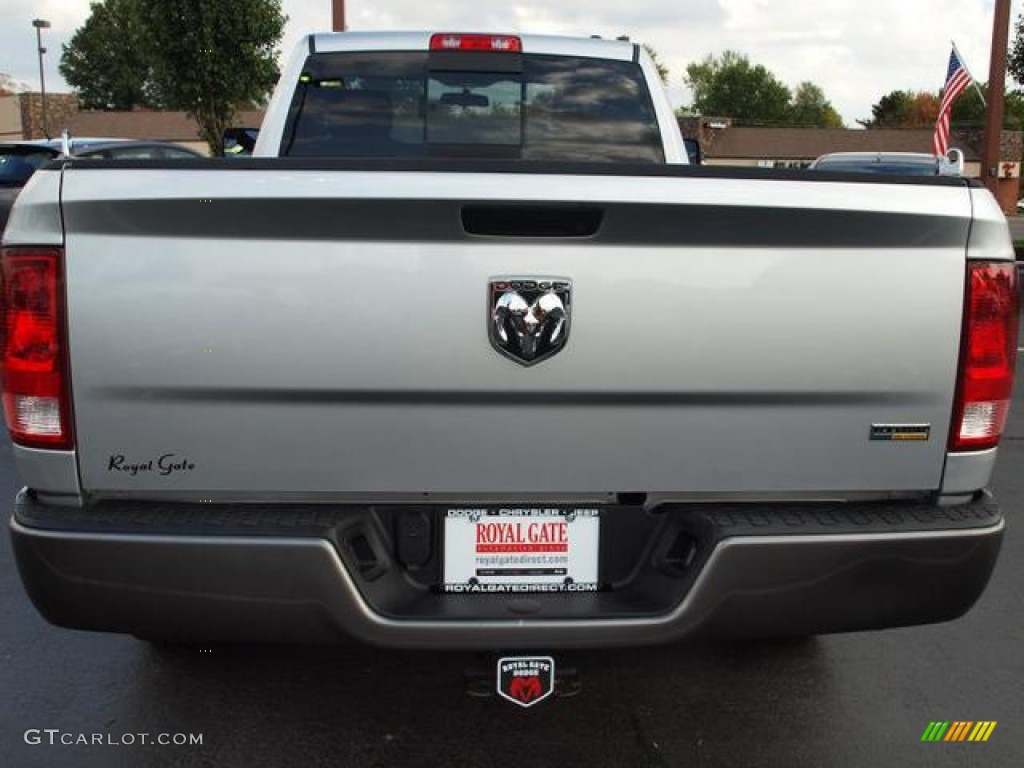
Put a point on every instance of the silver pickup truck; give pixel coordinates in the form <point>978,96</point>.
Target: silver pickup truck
<point>468,357</point>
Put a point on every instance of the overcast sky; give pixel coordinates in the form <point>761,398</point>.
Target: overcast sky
<point>857,50</point>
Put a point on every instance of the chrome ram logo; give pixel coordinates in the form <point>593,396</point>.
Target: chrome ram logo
<point>529,316</point>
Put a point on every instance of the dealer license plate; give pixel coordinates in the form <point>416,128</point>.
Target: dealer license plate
<point>521,549</point>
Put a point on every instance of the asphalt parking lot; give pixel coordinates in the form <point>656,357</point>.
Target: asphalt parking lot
<point>852,700</point>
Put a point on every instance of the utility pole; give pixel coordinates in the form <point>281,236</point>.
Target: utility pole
<point>338,20</point>
<point>996,88</point>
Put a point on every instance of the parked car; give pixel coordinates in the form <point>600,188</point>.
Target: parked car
<point>20,159</point>
<point>132,150</point>
<point>895,163</point>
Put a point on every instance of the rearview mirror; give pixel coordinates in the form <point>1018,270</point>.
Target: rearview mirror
<point>465,99</point>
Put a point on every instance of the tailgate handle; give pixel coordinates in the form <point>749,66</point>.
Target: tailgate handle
<point>532,220</point>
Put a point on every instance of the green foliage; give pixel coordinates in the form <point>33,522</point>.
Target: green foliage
<point>206,57</point>
<point>906,109</point>
<point>969,111</point>
<point>211,56</point>
<point>105,62</point>
<point>731,86</point>
<point>810,107</point>
<point>891,111</point>
<point>663,72</point>
<point>1015,57</point>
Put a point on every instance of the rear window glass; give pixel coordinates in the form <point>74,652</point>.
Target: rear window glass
<point>474,108</point>
<point>399,104</point>
<point>870,166</point>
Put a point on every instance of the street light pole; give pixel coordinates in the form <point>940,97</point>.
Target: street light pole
<point>40,25</point>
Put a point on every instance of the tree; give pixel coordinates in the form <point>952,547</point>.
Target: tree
<point>105,62</point>
<point>1015,59</point>
<point>731,86</point>
<point>969,110</point>
<point>811,108</point>
<point>890,111</point>
<point>905,109</point>
<point>210,56</point>
<point>662,68</point>
<point>924,110</point>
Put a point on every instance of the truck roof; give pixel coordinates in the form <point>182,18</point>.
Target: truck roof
<point>327,42</point>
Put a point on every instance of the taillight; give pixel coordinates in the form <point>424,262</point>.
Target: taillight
<point>988,353</point>
<point>32,354</point>
<point>450,41</point>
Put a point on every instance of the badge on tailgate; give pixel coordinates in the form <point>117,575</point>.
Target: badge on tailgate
<point>528,317</point>
<point>507,550</point>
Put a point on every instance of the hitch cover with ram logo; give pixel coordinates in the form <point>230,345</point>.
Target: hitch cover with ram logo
<point>526,680</point>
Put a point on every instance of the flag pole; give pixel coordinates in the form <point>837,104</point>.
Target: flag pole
<point>974,80</point>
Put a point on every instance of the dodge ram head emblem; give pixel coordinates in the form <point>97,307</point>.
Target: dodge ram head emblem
<point>528,317</point>
<point>526,680</point>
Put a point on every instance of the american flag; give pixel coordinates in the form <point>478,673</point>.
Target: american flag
<point>957,80</point>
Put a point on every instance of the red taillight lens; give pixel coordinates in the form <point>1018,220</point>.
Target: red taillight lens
<point>32,363</point>
<point>987,356</point>
<point>451,41</point>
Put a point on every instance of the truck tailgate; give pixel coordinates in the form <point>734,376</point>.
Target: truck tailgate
<point>325,332</point>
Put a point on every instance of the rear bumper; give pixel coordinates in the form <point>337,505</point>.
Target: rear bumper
<point>191,572</point>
